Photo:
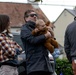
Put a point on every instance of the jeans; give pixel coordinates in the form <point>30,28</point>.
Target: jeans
<point>8,70</point>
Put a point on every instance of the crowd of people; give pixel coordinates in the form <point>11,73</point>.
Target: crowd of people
<point>38,42</point>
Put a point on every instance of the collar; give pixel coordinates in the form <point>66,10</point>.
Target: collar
<point>7,34</point>
<point>31,24</point>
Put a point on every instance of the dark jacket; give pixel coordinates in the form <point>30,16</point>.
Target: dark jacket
<point>70,41</point>
<point>36,53</point>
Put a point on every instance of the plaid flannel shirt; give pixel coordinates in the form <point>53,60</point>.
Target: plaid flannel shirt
<point>7,48</point>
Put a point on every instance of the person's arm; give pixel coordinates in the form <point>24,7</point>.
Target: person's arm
<point>17,48</point>
<point>67,46</point>
<point>26,34</point>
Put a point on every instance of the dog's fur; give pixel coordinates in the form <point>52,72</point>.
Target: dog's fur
<point>50,43</point>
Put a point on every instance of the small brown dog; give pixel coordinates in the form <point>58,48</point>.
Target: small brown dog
<point>42,28</point>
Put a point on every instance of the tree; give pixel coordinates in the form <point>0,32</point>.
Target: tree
<point>38,1</point>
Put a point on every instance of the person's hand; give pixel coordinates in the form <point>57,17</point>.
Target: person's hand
<point>47,35</point>
<point>49,29</point>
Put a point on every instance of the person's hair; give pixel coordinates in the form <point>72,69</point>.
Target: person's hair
<point>75,18</point>
<point>4,22</point>
<point>27,12</point>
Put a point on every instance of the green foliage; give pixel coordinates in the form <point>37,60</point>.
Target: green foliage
<point>64,67</point>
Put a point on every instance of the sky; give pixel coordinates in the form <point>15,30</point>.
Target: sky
<point>51,8</point>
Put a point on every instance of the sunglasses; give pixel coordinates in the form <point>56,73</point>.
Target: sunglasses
<point>32,15</point>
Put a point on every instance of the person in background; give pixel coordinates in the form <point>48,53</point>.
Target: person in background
<point>37,60</point>
<point>8,48</point>
<point>70,44</point>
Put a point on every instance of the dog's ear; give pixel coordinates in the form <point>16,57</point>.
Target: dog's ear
<point>47,23</point>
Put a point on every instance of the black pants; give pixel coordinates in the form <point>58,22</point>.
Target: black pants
<point>40,73</point>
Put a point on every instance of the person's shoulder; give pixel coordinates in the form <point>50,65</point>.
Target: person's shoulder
<point>23,26</point>
<point>71,24</point>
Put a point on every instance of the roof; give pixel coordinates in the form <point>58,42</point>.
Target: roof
<point>72,11</point>
<point>16,12</point>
